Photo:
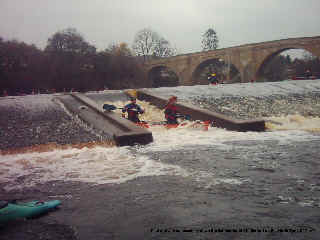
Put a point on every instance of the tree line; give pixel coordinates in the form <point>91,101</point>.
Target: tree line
<point>69,62</point>
<point>284,67</point>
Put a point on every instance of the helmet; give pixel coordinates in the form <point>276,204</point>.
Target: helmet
<point>173,98</point>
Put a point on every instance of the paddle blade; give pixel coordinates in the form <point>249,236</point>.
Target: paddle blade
<point>187,117</point>
<point>109,107</point>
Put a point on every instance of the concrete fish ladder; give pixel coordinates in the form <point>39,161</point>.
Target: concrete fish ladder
<point>121,130</point>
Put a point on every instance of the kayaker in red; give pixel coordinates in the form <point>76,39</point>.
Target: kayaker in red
<point>171,111</point>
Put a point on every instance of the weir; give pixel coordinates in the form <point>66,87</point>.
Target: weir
<point>124,132</point>
<point>218,120</point>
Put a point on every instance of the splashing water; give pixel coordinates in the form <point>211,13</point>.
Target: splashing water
<point>101,165</point>
<point>293,122</point>
<point>96,165</point>
<point>152,113</point>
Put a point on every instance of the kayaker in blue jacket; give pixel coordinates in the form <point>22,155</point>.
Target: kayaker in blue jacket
<point>133,110</point>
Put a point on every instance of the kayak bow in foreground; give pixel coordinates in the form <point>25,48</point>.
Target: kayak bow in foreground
<point>12,211</point>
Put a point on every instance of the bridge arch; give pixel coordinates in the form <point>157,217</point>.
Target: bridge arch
<point>275,52</point>
<point>226,71</point>
<point>163,76</point>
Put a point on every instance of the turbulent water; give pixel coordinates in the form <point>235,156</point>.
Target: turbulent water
<point>282,163</point>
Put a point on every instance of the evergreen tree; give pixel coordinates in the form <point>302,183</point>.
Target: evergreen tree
<point>210,40</point>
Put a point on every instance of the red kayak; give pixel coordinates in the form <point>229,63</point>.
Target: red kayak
<point>143,124</point>
<point>204,124</point>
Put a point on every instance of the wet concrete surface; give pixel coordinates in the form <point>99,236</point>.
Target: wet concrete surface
<point>33,120</point>
<point>111,96</point>
<point>278,190</point>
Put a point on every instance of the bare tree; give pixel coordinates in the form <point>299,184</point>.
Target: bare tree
<point>149,43</point>
<point>210,40</point>
<point>163,49</point>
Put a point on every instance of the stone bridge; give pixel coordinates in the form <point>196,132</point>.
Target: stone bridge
<point>248,59</point>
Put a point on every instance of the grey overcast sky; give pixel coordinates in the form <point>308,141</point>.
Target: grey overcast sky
<point>182,22</point>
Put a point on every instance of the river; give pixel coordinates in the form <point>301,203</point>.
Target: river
<point>214,178</point>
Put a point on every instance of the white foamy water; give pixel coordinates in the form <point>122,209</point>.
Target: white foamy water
<point>101,165</point>
<point>95,165</point>
<point>166,140</point>
<point>241,89</point>
<point>294,122</point>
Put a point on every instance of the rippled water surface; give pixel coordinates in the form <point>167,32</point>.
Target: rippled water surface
<point>280,165</point>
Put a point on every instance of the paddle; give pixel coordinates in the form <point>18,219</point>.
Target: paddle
<point>186,117</point>
<point>157,123</point>
<point>109,107</point>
